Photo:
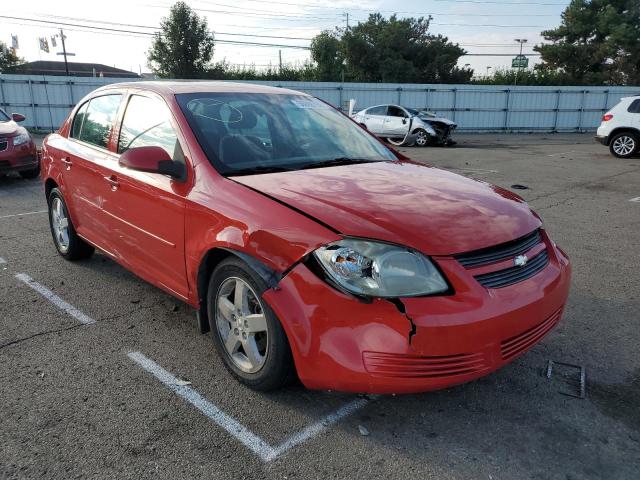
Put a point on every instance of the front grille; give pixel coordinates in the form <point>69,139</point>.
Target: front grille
<point>3,145</point>
<point>511,275</point>
<point>494,254</point>
<point>394,365</point>
<point>523,341</point>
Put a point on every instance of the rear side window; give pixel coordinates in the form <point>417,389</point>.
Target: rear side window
<point>96,120</point>
<point>634,107</point>
<point>146,124</point>
<point>78,119</point>
<point>377,110</point>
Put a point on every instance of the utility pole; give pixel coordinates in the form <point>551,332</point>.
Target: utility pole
<point>280,58</point>
<point>64,52</point>
<point>346,15</point>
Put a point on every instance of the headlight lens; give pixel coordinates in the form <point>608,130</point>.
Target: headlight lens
<point>20,139</point>
<point>379,269</point>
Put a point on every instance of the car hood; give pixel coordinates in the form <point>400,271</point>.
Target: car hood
<point>9,129</point>
<point>426,208</point>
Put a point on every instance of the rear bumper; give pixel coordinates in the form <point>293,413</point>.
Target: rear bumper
<point>341,343</point>
<point>603,139</point>
<point>16,159</point>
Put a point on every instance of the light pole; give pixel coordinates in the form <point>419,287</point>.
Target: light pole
<point>521,41</point>
<point>488,68</point>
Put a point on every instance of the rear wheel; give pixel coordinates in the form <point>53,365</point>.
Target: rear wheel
<point>246,332</point>
<point>624,145</point>
<point>65,238</point>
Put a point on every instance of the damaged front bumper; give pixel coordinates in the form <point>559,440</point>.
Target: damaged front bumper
<point>415,344</point>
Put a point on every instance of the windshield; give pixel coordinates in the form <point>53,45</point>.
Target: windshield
<point>3,116</point>
<point>244,133</point>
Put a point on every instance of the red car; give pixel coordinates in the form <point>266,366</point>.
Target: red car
<point>17,148</point>
<point>307,246</point>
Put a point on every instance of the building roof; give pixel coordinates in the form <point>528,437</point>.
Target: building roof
<point>76,69</point>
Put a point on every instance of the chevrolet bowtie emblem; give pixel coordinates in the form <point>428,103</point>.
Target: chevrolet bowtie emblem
<point>520,260</point>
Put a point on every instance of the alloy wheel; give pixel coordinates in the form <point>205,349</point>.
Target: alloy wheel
<point>624,145</point>
<point>60,224</point>
<point>422,139</point>
<point>242,324</point>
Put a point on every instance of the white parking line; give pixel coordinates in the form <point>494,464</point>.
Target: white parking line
<point>635,199</point>
<point>55,299</point>
<point>245,436</point>
<point>22,214</point>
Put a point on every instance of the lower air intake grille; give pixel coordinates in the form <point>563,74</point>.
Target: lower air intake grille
<point>393,365</point>
<point>518,344</point>
<point>511,275</point>
<point>3,145</point>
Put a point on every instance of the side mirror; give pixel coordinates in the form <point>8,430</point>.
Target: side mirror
<point>404,120</point>
<point>151,160</point>
<point>18,117</point>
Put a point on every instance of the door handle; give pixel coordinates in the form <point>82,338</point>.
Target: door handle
<point>113,181</point>
<point>67,162</point>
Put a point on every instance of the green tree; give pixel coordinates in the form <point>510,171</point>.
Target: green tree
<point>8,58</point>
<point>327,54</point>
<point>597,43</point>
<point>389,50</point>
<point>184,46</point>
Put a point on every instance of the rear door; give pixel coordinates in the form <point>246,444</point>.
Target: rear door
<point>147,209</point>
<point>84,162</point>
<point>396,123</point>
<point>374,119</point>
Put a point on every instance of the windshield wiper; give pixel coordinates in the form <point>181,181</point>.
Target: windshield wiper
<point>338,161</point>
<point>258,169</point>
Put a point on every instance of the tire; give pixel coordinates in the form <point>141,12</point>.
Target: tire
<point>624,145</point>
<point>33,173</point>
<point>422,138</point>
<point>237,328</point>
<point>67,242</point>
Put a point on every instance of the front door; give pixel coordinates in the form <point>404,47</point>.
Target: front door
<point>148,208</point>
<point>396,123</point>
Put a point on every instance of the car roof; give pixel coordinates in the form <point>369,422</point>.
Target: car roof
<point>172,87</point>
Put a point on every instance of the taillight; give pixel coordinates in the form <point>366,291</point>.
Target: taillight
<point>607,117</point>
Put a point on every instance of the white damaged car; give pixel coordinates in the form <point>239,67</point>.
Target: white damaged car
<point>406,126</point>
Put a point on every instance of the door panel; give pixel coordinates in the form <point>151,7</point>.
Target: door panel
<point>396,122</point>
<point>147,209</point>
<point>374,119</point>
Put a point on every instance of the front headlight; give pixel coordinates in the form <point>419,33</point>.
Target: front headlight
<point>379,269</point>
<point>20,139</point>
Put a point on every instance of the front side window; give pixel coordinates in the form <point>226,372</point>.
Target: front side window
<point>249,132</point>
<point>146,124</point>
<point>396,112</point>
<point>76,128</point>
<point>97,120</point>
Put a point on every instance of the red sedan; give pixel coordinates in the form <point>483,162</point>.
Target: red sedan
<point>17,148</point>
<point>307,246</point>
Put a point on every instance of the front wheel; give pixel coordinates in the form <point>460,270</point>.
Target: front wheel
<point>624,145</point>
<point>422,138</point>
<point>246,332</point>
<point>65,238</point>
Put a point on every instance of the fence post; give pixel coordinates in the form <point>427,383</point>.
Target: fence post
<point>455,103</point>
<point>340,89</point>
<point>399,95</point>
<point>581,110</point>
<point>555,110</point>
<point>72,103</point>
<point>426,98</point>
<point>33,105</point>
<point>3,104</point>
<point>606,102</point>
<point>506,109</point>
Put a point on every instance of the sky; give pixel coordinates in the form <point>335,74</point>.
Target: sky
<point>479,26</point>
